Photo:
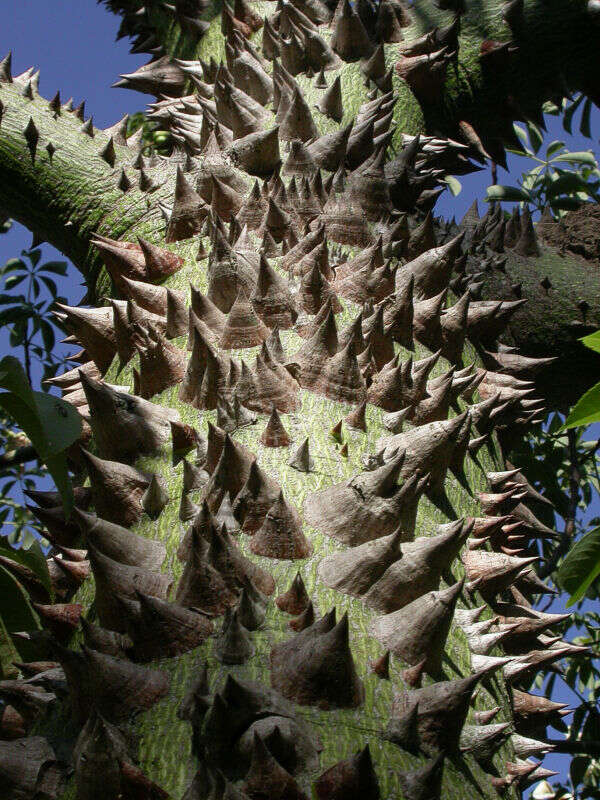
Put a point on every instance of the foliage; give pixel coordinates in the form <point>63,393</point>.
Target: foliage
<point>28,292</point>
<point>545,458</point>
<point>568,109</point>
<point>16,614</point>
<point>153,139</point>
<point>563,465</point>
<point>581,566</point>
<point>587,408</point>
<point>17,478</point>
<point>28,419</point>
<point>561,180</point>
<point>582,675</point>
<point>28,312</point>
<point>50,423</point>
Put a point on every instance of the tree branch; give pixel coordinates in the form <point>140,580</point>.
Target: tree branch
<point>67,194</point>
<point>57,183</point>
<point>590,748</point>
<point>20,455</point>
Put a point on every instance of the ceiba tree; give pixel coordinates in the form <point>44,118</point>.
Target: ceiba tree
<point>301,562</point>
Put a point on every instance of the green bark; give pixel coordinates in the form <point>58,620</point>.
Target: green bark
<point>67,197</point>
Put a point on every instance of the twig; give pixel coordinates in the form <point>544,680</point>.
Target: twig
<point>591,748</point>
<point>20,455</point>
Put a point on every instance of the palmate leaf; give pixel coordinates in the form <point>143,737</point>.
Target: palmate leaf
<point>581,566</point>
<point>12,299</point>
<point>13,281</point>
<point>14,264</point>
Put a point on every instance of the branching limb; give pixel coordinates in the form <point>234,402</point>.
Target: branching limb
<point>21,455</point>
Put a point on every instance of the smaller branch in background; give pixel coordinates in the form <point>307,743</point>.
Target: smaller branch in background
<point>494,173</point>
<point>21,455</point>
<point>588,747</point>
<point>559,181</point>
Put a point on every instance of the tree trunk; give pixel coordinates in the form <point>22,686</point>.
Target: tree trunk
<point>79,186</point>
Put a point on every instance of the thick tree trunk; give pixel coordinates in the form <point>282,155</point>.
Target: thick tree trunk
<point>67,196</point>
<point>78,187</point>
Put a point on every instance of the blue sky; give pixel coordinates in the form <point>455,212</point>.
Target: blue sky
<point>73,42</point>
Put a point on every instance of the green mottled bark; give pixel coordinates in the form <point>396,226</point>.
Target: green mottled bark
<point>66,197</point>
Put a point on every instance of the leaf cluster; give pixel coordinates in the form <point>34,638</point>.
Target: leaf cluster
<point>561,179</point>
<point>28,292</point>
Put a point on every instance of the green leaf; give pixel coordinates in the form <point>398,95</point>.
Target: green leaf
<point>578,769</point>
<point>33,255</point>
<point>565,204</point>
<point>13,378</point>
<point>566,183</point>
<point>586,410</point>
<point>581,566</point>
<point>569,114</point>
<point>521,133</point>
<point>57,467</point>
<point>33,558</point>
<point>59,422</point>
<point>8,654</point>
<point>56,267</point>
<point>454,185</point>
<point>14,263</point>
<point>51,423</point>
<point>535,136</point>
<point>15,314</point>
<point>585,127</point>
<point>551,108</point>
<point>592,341</point>
<point>553,147</point>
<point>9,299</point>
<point>50,285</point>
<point>532,178</point>
<point>48,335</point>
<point>13,281</point>
<point>585,157</point>
<point>508,193</point>
<point>15,608</point>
